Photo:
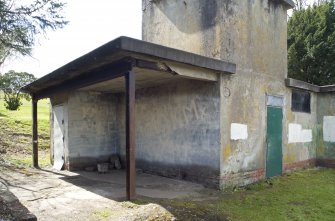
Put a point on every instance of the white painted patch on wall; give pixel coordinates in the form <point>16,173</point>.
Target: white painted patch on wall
<point>329,128</point>
<point>307,136</point>
<point>238,131</point>
<point>297,135</point>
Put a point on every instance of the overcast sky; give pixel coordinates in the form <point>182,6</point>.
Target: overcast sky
<point>92,23</point>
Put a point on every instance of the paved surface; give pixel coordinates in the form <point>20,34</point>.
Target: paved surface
<point>52,195</point>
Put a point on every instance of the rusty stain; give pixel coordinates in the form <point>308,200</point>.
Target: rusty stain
<point>227,151</point>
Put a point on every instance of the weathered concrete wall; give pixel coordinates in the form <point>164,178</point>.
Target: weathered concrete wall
<point>299,150</point>
<point>243,160</point>
<point>92,129</point>
<point>178,130</point>
<point>326,130</point>
<point>252,34</point>
<point>236,31</point>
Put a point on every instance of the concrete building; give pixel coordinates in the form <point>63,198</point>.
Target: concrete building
<point>213,103</point>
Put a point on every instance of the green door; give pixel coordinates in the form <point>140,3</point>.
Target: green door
<point>274,159</point>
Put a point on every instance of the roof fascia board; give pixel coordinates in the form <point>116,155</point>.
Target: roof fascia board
<point>125,44</point>
<point>147,48</point>
<point>289,3</point>
<point>104,73</point>
<point>293,83</point>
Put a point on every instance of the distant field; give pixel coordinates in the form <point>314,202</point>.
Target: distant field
<point>16,130</point>
<point>21,120</point>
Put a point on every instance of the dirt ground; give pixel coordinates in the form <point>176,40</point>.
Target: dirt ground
<point>52,195</point>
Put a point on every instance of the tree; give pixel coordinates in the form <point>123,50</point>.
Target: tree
<point>311,44</point>
<point>19,24</point>
<point>299,4</point>
<point>320,2</point>
<point>11,84</point>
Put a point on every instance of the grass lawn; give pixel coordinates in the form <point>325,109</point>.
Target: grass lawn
<point>302,195</point>
<point>15,132</point>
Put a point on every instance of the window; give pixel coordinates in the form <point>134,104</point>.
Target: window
<point>301,101</point>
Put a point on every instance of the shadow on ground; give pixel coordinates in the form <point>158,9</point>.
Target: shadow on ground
<point>10,206</point>
<point>184,200</point>
<point>63,195</point>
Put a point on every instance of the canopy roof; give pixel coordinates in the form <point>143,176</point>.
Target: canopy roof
<point>151,62</point>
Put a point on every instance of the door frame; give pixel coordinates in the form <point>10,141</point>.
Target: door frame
<point>273,100</point>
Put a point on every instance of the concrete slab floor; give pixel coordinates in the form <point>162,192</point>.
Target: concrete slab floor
<point>64,195</point>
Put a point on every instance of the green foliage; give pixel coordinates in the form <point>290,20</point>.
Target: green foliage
<point>12,103</point>
<point>11,84</point>
<point>20,23</point>
<point>311,44</point>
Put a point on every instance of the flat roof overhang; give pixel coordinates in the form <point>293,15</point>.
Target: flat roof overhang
<point>302,85</point>
<point>153,64</point>
<point>288,3</point>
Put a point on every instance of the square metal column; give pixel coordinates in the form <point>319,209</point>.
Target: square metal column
<point>130,135</point>
<point>35,132</point>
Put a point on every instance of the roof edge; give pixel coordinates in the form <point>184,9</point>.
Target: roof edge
<point>135,46</point>
<point>174,54</point>
<point>72,64</point>
<point>289,3</point>
<point>293,83</point>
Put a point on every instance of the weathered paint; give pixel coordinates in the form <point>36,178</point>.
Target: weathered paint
<point>326,145</point>
<point>306,136</point>
<point>299,141</point>
<point>91,134</point>
<point>251,34</point>
<point>274,141</point>
<point>59,99</point>
<point>294,133</point>
<point>192,72</point>
<point>297,135</point>
<point>329,129</point>
<point>238,131</point>
<point>178,132</point>
<point>274,101</point>
<point>58,138</point>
